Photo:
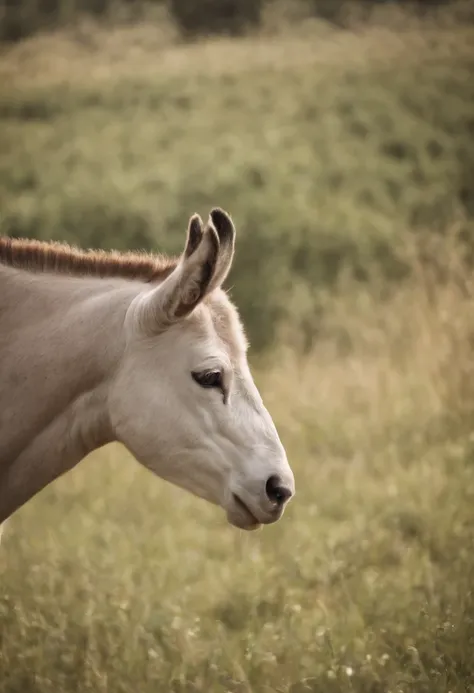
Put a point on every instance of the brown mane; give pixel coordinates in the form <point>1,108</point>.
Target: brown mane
<point>41,256</point>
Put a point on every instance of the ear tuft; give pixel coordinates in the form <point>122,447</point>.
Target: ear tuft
<point>191,296</point>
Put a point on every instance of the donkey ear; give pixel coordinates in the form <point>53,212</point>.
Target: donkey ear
<point>225,228</point>
<point>189,282</point>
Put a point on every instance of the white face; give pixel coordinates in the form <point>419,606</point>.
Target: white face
<point>186,406</point>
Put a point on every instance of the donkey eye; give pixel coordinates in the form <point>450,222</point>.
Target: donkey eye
<point>208,379</point>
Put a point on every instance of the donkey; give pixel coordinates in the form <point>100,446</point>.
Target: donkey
<point>149,351</point>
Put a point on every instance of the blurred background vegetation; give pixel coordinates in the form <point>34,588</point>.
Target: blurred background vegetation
<point>340,137</point>
<point>25,17</point>
<point>325,168</point>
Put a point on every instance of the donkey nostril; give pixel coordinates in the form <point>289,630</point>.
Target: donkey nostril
<point>275,491</point>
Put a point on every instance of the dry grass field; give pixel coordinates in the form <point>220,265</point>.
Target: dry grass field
<point>345,160</point>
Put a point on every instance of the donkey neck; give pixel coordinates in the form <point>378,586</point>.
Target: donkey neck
<point>61,339</point>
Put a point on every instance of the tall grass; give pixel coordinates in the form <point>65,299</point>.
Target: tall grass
<point>126,583</point>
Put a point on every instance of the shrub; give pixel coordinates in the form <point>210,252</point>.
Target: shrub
<point>21,18</point>
<point>216,16</point>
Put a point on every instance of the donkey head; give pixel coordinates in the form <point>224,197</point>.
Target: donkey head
<point>184,401</point>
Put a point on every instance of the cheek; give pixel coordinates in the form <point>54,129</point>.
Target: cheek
<point>177,418</point>
<point>157,433</point>
<point>162,413</point>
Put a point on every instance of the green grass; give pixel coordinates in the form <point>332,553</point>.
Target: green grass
<point>332,151</point>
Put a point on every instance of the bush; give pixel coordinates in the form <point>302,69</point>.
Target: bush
<point>216,16</point>
<point>343,13</point>
<point>21,18</point>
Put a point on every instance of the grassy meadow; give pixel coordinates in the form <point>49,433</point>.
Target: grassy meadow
<point>346,159</point>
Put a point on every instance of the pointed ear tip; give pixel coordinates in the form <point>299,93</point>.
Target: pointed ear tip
<point>218,211</point>
<point>222,221</point>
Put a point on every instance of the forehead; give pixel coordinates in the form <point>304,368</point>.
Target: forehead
<point>219,313</point>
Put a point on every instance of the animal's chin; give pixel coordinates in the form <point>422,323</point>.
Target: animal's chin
<point>241,517</point>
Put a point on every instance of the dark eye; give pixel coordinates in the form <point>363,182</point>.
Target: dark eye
<point>209,379</point>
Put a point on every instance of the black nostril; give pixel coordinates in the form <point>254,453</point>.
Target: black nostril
<point>275,491</point>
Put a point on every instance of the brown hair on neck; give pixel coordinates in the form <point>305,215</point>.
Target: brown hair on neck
<point>61,258</point>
